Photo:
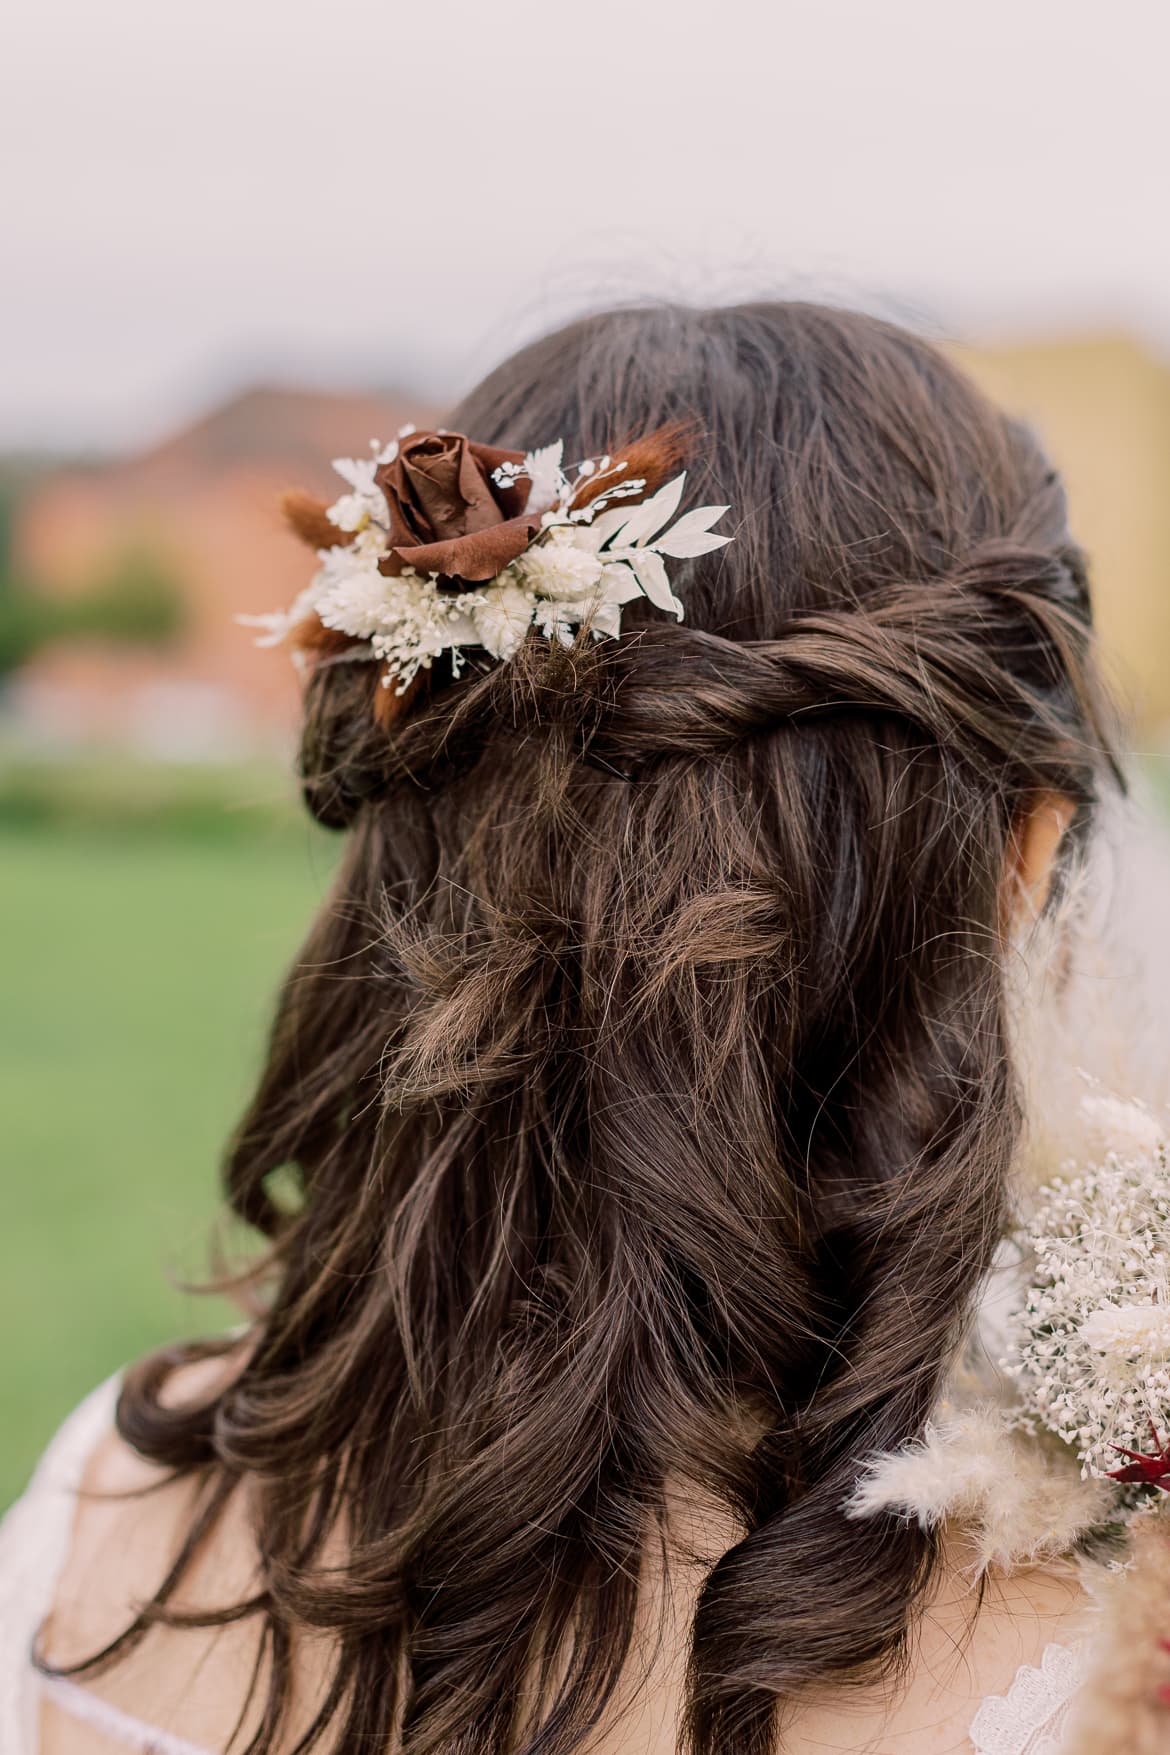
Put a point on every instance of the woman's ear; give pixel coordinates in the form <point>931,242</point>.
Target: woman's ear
<point>1036,836</point>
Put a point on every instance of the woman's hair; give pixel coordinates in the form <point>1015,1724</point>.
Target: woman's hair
<point>644,1084</point>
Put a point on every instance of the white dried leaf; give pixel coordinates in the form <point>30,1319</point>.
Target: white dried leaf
<point>358,472</point>
<point>606,619</point>
<point>651,575</point>
<point>620,584</point>
<point>692,534</point>
<point>687,547</point>
<point>276,624</point>
<point>653,513</point>
<point>606,525</point>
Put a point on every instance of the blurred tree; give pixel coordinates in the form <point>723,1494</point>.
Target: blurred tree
<point>134,599</point>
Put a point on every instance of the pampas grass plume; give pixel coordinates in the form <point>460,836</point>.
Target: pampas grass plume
<point>1017,1501</point>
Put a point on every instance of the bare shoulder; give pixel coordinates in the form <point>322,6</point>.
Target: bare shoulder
<point>970,1644</point>
<point>132,1522</point>
<point>129,1522</point>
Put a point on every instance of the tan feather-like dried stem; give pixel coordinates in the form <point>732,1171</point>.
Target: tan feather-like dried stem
<point>306,516</point>
<point>315,640</point>
<point>389,705</point>
<point>311,637</point>
<point>652,458</point>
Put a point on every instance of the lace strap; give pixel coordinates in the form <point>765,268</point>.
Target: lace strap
<point>112,1722</point>
<point>1027,1720</point>
<point>34,1541</point>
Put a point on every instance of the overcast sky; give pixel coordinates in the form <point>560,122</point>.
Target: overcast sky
<point>196,196</point>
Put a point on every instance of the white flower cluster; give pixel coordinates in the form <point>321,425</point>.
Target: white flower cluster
<point>1090,1347</point>
<point>584,564</point>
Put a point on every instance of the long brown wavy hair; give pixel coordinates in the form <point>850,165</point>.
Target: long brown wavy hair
<point>644,1085</point>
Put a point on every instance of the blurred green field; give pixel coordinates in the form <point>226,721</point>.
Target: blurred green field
<point>138,974</point>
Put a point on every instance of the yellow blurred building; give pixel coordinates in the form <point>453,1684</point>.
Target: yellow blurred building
<point>1101,404</point>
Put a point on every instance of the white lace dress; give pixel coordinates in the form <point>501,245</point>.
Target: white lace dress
<point>34,1542</point>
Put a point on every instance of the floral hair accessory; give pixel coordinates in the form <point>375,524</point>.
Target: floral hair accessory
<point>440,544</point>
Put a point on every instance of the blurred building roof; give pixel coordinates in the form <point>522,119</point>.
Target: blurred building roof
<point>272,424</point>
<point>204,506</point>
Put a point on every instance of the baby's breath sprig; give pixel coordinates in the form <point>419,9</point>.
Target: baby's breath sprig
<point>1090,1348</point>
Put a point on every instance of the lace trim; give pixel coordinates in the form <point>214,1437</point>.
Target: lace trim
<point>34,1540</point>
<point>1027,1720</point>
<point>112,1722</point>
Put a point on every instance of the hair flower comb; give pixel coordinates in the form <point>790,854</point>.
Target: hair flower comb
<point>440,543</point>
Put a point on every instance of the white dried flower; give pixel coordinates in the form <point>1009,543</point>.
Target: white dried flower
<point>351,593</point>
<point>365,504</point>
<point>560,567</point>
<point>278,624</point>
<point>1129,1331</point>
<point>419,622</point>
<point>351,512</point>
<point>503,618</point>
<point>546,477</point>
